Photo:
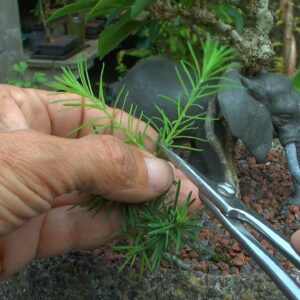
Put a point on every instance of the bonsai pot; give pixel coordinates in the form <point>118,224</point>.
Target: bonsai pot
<point>76,26</point>
<point>93,28</point>
<point>62,44</point>
<point>35,38</point>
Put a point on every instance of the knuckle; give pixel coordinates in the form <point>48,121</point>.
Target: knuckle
<point>121,158</point>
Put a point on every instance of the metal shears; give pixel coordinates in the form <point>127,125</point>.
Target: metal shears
<point>231,212</point>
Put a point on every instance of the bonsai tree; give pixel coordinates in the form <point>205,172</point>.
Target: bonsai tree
<point>244,25</point>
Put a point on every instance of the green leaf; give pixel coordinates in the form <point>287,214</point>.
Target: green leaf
<point>237,16</point>
<point>138,7</point>
<point>229,15</point>
<point>27,84</point>
<point>114,34</point>
<point>21,67</point>
<point>76,7</point>
<point>17,82</point>
<point>296,81</point>
<point>40,78</point>
<point>107,7</point>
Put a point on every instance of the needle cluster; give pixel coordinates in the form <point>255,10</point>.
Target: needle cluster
<point>157,230</point>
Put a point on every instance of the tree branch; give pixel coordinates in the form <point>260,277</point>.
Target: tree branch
<point>228,168</point>
<point>290,47</point>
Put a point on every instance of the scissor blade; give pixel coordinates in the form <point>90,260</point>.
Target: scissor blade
<point>233,207</point>
<point>207,187</point>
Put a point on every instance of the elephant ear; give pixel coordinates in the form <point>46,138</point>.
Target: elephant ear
<point>248,119</point>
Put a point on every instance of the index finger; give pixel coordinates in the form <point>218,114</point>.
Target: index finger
<point>45,111</point>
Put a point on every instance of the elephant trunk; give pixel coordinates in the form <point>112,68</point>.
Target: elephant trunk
<point>293,155</point>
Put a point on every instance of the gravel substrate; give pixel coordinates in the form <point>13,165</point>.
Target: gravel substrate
<point>82,276</point>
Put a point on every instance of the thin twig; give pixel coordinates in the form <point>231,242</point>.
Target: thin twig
<point>215,142</point>
<point>290,46</point>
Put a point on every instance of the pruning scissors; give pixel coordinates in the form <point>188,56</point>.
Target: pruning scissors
<point>221,200</point>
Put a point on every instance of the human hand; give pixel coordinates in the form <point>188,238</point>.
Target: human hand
<point>43,174</point>
<point>296,240</point>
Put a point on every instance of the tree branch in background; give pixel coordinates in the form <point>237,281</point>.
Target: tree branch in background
<point>44,11</point>
<point>289,41</point>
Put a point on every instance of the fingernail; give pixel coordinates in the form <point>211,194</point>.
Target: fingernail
<point>296,240</point>
<point>160,174</point>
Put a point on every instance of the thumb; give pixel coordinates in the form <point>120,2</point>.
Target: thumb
<point>51,166</point>
<point>296,240</point>
<point>118,171</point>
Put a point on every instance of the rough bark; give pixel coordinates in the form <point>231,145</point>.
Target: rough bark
<point>253,42</point>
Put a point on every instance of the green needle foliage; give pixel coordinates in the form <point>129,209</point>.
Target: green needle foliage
<point>156,230</point>
<point>216,60</point>
<point>159,231</point>
<point>68,83</point>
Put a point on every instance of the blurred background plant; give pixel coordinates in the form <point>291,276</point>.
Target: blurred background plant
<point>22,78</point>
<point>163,26</point>
<point>286,34</point>
<point>286,39</point>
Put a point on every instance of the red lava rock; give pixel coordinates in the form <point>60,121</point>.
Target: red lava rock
<point>293,209</point>
<point>224,268</point>
<point>224,242</point>
<point>239,260</point>
<point>290,219</point>
<point>269,194</point>
<point>98,251</point>
<point>110,256</point>
<point>203,266</point>
<point>251,161</point>
<point>267,245</point>
<point>287,265</point>
<point>183,253</point>
<point>273,156</point>
<point>164,264</point>
<point>246,199</point>
<point>257,207</point>
<point>193,254</point>
<point>269,215</point>
<point>204,234</point>
<point>227,234</point>
<point>236,247</point>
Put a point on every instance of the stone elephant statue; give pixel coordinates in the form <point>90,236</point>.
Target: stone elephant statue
<point>262,106</point>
